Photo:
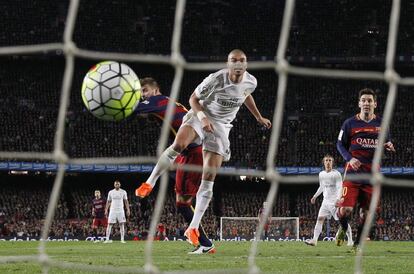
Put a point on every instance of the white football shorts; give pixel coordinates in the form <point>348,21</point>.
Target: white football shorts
<point>116,217</point>
<point>328,210</point>
<point>217,142</point>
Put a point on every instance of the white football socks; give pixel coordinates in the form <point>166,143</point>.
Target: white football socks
<point>317,231</point>
<point>122,228</point>
<point>164,162</point>
<point>203,198</point>
<point>349,233</point>
<point>108,231</point>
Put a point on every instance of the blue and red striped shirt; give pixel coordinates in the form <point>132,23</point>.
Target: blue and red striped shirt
<point>358,139</point>
<point>157,106</point>
<point>99,207</point>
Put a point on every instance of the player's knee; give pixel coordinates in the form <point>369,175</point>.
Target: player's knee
<point>209,174</point>
<point>178,146</point>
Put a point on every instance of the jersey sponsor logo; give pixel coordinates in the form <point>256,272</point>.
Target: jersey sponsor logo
<point>233,102</point>
<point>367,142</point>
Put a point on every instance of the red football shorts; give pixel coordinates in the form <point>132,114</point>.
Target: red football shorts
<point>187,183</point>
<point>99,222</point>
<point>353,193</point>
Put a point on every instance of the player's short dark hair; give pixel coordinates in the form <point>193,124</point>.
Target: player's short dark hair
<point>367,91</point>
<point>149,81</point>
<point>329,156</point>
<point>237,51</point>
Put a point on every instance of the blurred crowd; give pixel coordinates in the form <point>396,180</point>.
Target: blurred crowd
<point>314,111</point>
<point>346,28</point>
<point>22,214</point>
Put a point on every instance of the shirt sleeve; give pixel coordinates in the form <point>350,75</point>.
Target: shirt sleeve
<point>109,197</point>
<point>125,196</point>
<point>206,88</point>
<point>342,144</point>
<point>254,85</point>
<point>320,189</point>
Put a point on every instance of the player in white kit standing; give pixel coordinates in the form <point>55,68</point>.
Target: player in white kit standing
<point>117,198</point>
<point>330,184</point>
<point>214,105</point>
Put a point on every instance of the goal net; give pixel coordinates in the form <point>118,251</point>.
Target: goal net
<point>245,228</point>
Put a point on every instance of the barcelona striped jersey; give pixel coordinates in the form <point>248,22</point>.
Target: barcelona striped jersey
<point>358,139</point>
<point>99,207</point>
<point>157,106</point>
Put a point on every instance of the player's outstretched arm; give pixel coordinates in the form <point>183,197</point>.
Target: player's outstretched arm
<point>251,106</point>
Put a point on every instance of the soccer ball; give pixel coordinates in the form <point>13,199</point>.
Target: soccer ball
<point>111,91</point>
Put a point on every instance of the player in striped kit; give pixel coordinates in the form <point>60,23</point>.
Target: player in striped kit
<point>214,105</point>
<point>186,183</point>
<point>330,184</point>
<point>98,213</point>
<point>357,141</point>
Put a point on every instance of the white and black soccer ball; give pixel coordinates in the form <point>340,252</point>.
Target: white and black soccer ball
<point>111,91</point>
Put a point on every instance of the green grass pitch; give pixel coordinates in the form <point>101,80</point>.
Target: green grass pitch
<point>273,257</point>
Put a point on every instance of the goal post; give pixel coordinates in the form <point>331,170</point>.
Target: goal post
<point>244,229</point>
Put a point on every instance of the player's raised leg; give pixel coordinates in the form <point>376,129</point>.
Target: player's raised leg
<point>185,136</point>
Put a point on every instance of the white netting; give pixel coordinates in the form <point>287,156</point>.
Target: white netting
<point>282,69</point>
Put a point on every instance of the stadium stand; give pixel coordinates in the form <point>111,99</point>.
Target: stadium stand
<point>24,212</point>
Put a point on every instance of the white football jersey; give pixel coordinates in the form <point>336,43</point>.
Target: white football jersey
<point>331,184</point>
<point>117,197</point>
<point>222,98</point>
